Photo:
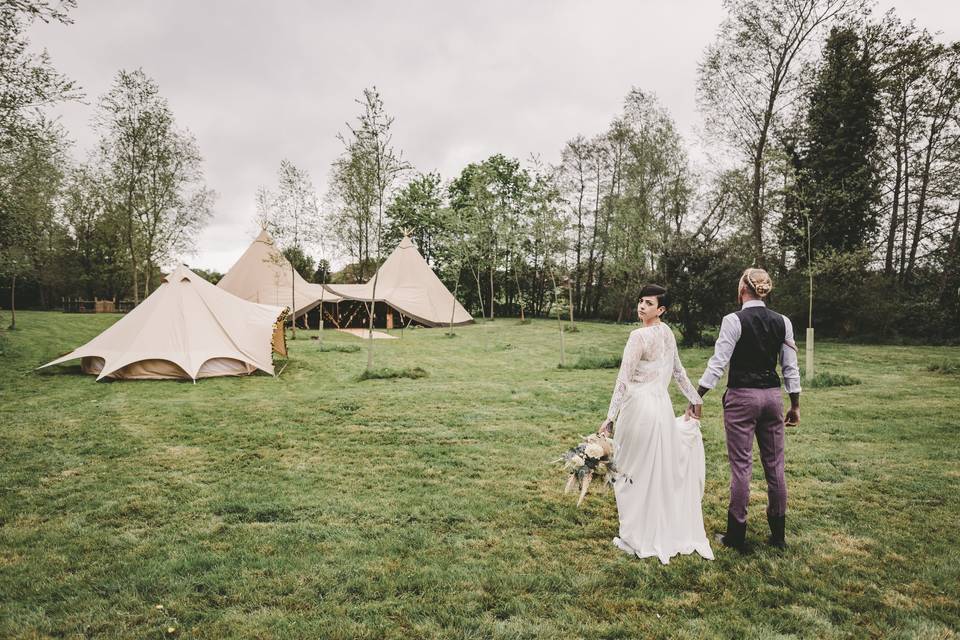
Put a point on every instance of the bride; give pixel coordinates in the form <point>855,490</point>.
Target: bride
<point>659,458</point>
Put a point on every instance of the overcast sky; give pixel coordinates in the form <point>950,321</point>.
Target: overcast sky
<point>256,82</point>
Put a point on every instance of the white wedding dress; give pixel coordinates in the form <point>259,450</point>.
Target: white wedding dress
<point>659,457</point>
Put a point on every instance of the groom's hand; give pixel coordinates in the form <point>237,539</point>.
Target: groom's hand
<point>693,411</point>
<point>793,417</point>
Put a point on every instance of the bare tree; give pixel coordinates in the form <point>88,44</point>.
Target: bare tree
<point>292,217</point>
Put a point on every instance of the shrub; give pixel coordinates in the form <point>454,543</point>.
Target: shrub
<point>346,348</point>
<point>944,367</point>
<point>385,373</point>
<point>822,380</point>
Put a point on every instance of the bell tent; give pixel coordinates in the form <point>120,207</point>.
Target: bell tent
<point>186,329</point>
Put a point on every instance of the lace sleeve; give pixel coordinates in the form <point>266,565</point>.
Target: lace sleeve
<point>631,355</point>
<point>680,375</point>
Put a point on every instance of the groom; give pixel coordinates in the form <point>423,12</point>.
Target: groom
<point>751,341</point>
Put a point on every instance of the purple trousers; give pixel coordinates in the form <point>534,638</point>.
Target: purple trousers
<point>749,412</point>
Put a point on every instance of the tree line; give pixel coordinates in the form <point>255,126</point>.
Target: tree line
<point>830,156</point>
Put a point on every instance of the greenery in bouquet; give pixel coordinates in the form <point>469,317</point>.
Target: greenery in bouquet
<point>589,460</point>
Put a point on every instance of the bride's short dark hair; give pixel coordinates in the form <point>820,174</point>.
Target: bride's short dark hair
<point>663,298</point>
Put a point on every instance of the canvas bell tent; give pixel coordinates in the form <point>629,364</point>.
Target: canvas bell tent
<point>186,329</point>
<point>263,274</point>
<point>406,285</point>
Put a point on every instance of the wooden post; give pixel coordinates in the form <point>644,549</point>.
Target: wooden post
<point>809,354</point>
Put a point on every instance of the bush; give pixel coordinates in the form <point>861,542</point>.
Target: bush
<point>594,362</point>
<point>346,348</point>
<point>385,373</point>
<point>822,380</point>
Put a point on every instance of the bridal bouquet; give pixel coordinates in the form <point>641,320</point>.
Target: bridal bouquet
<point>592,458</point>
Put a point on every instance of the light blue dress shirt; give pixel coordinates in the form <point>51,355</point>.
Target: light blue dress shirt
<point>727,340</point>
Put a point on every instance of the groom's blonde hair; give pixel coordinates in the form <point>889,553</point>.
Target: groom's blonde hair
<point>757,281</point>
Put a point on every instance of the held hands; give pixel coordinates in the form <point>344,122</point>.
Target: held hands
<point>793,417</point>
<point>693,412</point>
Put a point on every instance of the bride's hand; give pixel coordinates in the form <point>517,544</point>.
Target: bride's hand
<point>694,411</point>
<point>606,426</point>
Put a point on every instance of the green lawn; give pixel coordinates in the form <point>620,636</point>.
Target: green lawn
<point>318,506</point>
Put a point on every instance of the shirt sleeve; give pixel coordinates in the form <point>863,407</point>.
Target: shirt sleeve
<point>631,355</point>
<point>788,359</point>
<point>722,351</point>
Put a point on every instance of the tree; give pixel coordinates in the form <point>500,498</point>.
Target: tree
<point>364,177</point>
<point>838,181</point>
<point>28,84</point>
<point>751,77</point>
<point>492,195</point>
<point>292,216</point>
<point>700,283</point>
<point>302,263</point>
<point>322,274</point>
<point>32,233</point>
<point>937,160</point>
<point>210,275</point>
<point>154,180</point>
<point>574,176</point>
<point>416,210</point>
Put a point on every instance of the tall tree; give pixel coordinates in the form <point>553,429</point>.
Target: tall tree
<point>903,53</point>
<point>416,210</point>
<point>364,178</point>
<point>28,85</point>
<point>154,175</point>
<point>940,111</point>
<point>574,177</point>
<point>838,181</point>
<point>751,76</point>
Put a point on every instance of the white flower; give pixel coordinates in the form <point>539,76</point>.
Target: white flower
<point>594,450</point>
<point>577,461</point>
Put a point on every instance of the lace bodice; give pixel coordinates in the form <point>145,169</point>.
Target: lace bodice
<point>651,357</point>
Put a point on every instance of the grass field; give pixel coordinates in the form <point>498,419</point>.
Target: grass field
<point>315,505</point>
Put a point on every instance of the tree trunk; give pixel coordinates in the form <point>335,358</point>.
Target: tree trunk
<point>491,292</point>
<point>949,263</point>
<point>556,303</point>
<point>293,303</point>
<point>906,213</point>
<point>133,268</point>
<point>519,297</point>
<point>476,276</point>
<point>892,233</point>
<point>591,256</point>
<point>371,314</point>
<point>579,248</point>
<point>453,307</point>
<point>924,183</point>
<point>13,304</point>
<point>756,222</point>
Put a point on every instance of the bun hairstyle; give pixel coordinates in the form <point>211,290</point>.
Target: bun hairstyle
<point>663,298</point>
<point>758,282</point>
